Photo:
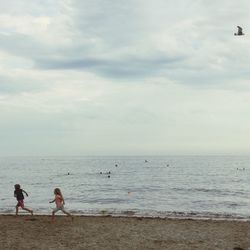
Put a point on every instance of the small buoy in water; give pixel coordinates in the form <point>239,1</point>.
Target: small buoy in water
<point>100,172</point>
<point>116,165</point>
<point>108,176</point>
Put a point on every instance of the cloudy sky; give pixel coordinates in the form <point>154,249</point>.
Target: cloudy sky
<point>116,77</point>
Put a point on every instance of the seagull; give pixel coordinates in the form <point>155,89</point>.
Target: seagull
<point>240,33</point>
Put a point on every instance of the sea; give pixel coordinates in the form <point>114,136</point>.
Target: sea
<point>149,186</point>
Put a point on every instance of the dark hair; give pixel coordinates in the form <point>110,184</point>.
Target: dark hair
<point>17,186</point>
<point>57,191</point>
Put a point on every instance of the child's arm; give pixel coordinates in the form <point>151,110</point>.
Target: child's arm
<point>63,201</point>
<point>14,194</point>
<point>25,192</point>
<point>52,201</point>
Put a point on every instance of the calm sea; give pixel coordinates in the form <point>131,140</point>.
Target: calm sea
<point>199,186</point>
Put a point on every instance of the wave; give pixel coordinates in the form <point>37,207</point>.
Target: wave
<point>146,214</point>
<point>211,190</point>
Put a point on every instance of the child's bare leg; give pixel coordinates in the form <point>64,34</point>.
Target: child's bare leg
<point>29,210</point>
<point>70,215</point>
<point>53,216</point>
<point>66,213</point>
<point>16,210</point>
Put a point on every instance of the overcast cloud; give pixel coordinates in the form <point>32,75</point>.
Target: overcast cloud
<point>98,77</point>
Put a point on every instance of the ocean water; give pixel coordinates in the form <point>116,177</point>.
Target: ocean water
<point>193,186</point>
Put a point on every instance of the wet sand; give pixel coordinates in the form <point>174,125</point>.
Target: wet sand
<point>108,233</point>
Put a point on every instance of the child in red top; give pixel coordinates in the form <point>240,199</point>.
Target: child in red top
<point>59,200</point>
<point>18,193</point>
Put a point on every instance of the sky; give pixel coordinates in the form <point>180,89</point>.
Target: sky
<point>116,77</point>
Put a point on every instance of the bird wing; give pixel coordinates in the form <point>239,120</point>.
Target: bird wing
<point>239,29</point>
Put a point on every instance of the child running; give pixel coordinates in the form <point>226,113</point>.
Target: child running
<point>18,193</point>
<point>59,200</point>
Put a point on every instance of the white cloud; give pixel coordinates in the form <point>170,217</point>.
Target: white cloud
<point>128,77</point>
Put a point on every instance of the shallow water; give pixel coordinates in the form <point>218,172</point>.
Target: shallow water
<point>199,186</point>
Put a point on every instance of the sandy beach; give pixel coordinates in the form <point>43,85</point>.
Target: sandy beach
<point>37,232</point>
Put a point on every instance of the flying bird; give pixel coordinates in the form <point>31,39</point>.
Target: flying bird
<point>240,33</point>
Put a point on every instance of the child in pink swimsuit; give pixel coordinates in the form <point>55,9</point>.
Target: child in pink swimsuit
<point>18,193</point>
<point>59,200</point>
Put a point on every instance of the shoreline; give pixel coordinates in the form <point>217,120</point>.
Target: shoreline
<point>108,232</point>
<point>131,215</point>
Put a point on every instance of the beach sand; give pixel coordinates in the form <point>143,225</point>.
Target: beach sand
<point>106,232</point>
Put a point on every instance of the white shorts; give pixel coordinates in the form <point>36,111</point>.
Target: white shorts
<point>59,208</point>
